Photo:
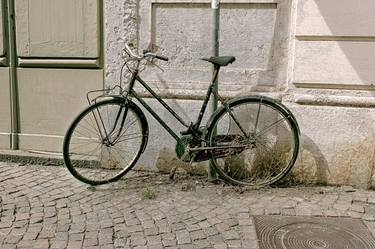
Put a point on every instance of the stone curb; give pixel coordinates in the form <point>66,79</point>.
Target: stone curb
<point>36,158</point>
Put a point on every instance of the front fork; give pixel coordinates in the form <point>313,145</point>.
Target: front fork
<point>106,139</point>
<point>109,135</point>
<point>118,117</point>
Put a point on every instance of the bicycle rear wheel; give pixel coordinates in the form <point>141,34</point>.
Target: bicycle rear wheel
<point>256,140</point>
<point>104,142</point>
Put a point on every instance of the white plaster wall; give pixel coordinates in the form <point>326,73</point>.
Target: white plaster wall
<point>182,31</point>
<point>331,90</point>
<point>321,61</point>
<point>120,27</point>
<point>337,144</point>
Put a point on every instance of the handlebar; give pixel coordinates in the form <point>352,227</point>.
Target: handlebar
<point>131,53</point>
<point>160,57</point>
<point>145,54</point>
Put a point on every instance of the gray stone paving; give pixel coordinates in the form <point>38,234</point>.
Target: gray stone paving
<point>45,207</point>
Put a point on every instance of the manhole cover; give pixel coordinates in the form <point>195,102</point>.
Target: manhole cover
<point>283,232</point>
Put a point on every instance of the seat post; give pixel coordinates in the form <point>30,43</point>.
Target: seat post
<point>216,74</point>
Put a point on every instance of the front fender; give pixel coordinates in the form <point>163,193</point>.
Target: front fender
<point>108,97</point>
<point>138,111</point>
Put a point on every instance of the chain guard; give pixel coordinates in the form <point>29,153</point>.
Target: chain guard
<point>187,141</point>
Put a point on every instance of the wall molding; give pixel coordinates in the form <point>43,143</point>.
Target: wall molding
<point>331,100</point>
<point>341,86</point>
<point>335,38</point>
<point>58,63</point>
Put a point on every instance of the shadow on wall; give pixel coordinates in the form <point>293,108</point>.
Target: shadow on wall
<point>311,165</point>
<point>334,50</point>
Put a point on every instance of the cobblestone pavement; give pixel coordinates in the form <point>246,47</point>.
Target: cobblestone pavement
<point>45,207</point>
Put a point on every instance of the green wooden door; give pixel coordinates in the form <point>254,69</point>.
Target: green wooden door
<point>58,54</point>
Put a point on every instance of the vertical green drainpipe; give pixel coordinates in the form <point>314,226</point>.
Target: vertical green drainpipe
<point>12,60</point>
<point>102,53</point>
<point>215,6</point>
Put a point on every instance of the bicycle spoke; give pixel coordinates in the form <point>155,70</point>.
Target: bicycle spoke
<point>269,143</point>
<point>271,126</point>
<point>84,128</point>
<point>126,129</point>
<point>121,154</point>
<point>92,124</point>
<point>256,120</point>
<point>236,121</point>
<point>73,148</point>
<point>131,138</point>
<point>84,152</point>
<point>95,160</point>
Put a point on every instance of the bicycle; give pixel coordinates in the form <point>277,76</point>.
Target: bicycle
<point>251,140</point>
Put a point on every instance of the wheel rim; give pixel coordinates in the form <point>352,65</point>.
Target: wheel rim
<point>99,150</point>
<point>267,153</point>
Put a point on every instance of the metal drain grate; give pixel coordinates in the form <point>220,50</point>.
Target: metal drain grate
<point>283,232</point>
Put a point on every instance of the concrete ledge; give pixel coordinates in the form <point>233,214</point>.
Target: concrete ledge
<point>31,157</point>
<point>331,100</point>
<point>200,95</point>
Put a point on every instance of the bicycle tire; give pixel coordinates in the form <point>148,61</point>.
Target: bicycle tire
<point>260,154</point>
<point>95,158</point>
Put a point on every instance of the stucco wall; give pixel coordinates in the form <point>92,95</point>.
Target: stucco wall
<point>315,56</point>
<point>331,89</point>
<point>120,25</point>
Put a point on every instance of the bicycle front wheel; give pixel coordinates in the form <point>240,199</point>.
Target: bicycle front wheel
<point>104,142</point>
<point>254,141</point>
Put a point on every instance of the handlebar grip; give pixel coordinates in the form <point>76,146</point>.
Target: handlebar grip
<point>163,58</point>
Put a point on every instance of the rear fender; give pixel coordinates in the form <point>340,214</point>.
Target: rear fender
<point>264,99</point>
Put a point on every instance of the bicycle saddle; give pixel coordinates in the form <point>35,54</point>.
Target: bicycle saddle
<point>220,60</point>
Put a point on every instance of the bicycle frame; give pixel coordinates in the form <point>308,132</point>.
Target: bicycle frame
<point>192,127</point>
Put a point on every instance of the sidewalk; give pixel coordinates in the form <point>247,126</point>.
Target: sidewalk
<point>45,207</point>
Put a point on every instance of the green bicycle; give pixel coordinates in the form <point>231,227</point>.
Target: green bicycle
<point>252,140</point>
